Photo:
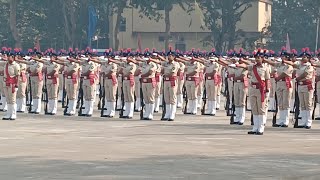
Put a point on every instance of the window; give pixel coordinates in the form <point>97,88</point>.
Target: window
<point>123,23</point>
<point>266,5</point>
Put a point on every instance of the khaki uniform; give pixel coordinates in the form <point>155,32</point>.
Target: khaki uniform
<point>137,87</point>
<point>192,86</point>
<point>52,86</point>
<point>272,103</point>
<point>170,86</point>
<point>110,87</point>
<point>128,88</point>
<point>181,81</point>
<point>257,102</point>
<point>36,77</point>
<point>22,86</point>
<point>211,86</point>
<point>119,90</point>
<point>71,85</point>
<point>89,86</point>
<point>3,106</point>
<point>305,92</point>
<point>240,90</point>
<point>61,83</point>
<point>318,90</point>
<point>284,92</point>
<point>11,73</point>
<point>230,72</point>
<point>219,86</point>
<point>158,89</point>
<point>148,88</point>
<point>201,85</point>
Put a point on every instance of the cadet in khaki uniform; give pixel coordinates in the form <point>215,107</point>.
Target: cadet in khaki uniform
<point>201,85</point>
<point>283,88</point>
<point>22,86</point>
<point>109,71</point>
<point>11,73</point>
<point>71,81</point>
<point>128,87</point>
<point>305,89</point>
<point>36,76</point>
<point>3,101</point>
<point>158,89</point>
<point>241,84</point>
<point>52,83</point>
<point>231,75</point>
<point>88,74</point>
<point>273,75</point>
<point>192,84</point>
<point>259,86</point>
<point>211,71</point>
<point>170,85</point>
<point>181,81</point>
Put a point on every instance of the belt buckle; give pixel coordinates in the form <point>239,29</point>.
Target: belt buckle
<point>209,78</point>
<point>49,76</point>
<point>238,80</point>
<point>69,77</point>
<point>254,86</point>
<point>189,79</point>
<point>145,80</point>
<point>167,79</point>
<point>125,78</point>
<point>301,83</point>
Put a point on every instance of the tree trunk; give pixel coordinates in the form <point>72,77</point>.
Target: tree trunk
<point>167,30</point>
<point>66,21</point>
<point>13,23</point>
<point>117,26</point>
<point>73,25</point>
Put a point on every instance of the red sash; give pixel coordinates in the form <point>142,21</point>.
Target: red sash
<point>114,79</point>
<point>10,80</point>
<point>40,76</point>
<point>158,77</point>
<point>288,82</point>
<point>92,78</point>
<point>201,76</point>
<point>74,78</point>
<point>245,81</point>
<point>262,83</point>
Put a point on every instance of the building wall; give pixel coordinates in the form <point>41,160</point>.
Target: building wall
<point>184,27</point>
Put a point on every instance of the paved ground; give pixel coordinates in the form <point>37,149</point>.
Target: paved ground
<point>193,147</point>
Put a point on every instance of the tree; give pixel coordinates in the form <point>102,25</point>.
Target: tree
<point>13,23</point>
<point>221,17</point>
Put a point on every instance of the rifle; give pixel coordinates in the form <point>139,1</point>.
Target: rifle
<point>274,119</point>
<point>233,110</point>
<point>45,90</point>
<point>164,108</point>
<point>80,98</point>
<point>227,94</point>
<point>296,107</point>
<point>103,98</point>
<point>141,101</point>
<point>64,92</point>
<point>30,91</point>
<point>100,97</point>
<point>315,102</point>
<point>204,101</point>
<point>185,108</point>
<point>122,100</point>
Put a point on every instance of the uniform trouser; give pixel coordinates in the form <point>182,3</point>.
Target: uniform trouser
<point>192,90</point>
<point>318,97</point>
<point>89,94</point>
<point>110,90</point>
<point>22,87</point>
<point>128,91</point>
<point>211,90</point>
<point>258,109</point>
<point>36,86</point>
<point>119,91</point>
<point>148,93</point>
<point>158,93</point>
<point>230,88</point>
<point>71,89</point>
<point>170,98</point>
<point>240,94</point>
<point>200,88</point>
<point>273,87</point>
<point>60,95</point>
<point>10,94</point>
<point>293,96</point>
<point>52,90</point>
<point>180,86</point>
<point>137,87</point>
<point>305,99</point>
<point>283,95</point>
<point>2,85</point>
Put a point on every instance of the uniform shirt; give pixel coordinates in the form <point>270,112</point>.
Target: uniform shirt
<point>71,66</point>
<point>13,69</point>
<point>170,69</point>
<point>239,72</point>
<point>151,66</point>
<point>284,68</point>
<point>89,66</point>
<point>211,66</point>
<point>306,67</point>
<point>36,67</point>
<point>2,65</point>
<point>263,72</point>
<point>182,67</point>
<point>193,67</point>
<point>109,68</point>
<point>129,69</point>
<point>52,66</point>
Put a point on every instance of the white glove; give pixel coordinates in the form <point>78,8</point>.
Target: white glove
<point>16,89</point>
<point>27,57</point>
<point>232,65</point>
<point>267,94</point>
<point>279,60</point>
<point>123,58</point>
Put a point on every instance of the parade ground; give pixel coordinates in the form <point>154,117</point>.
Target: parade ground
<point>40,147</point>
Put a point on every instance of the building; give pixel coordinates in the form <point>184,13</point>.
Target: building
<point>186,31</point>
